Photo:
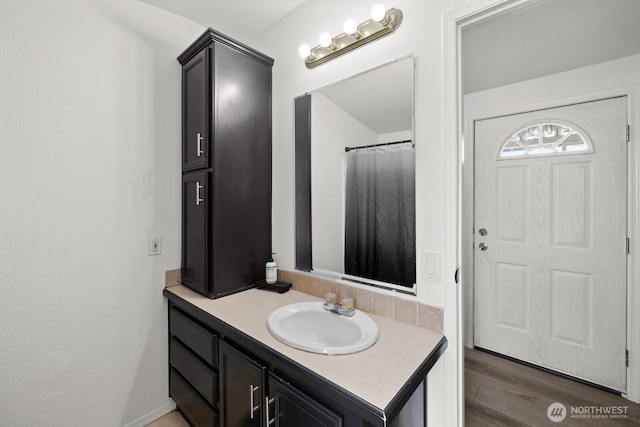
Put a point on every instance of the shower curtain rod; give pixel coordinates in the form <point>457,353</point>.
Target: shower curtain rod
<point>347,149</point>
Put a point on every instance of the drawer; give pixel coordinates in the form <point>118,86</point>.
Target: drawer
<point>198,339</point>
<point>190,404</point>
<point>199,375</point>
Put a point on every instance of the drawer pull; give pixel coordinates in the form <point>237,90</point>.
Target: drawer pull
<point>267,402</point>
<point>198,198</point>
<point>252,390</point>
<point>198,146</point>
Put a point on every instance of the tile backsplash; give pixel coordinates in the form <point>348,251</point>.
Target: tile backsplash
<point>172,278</point>
<point>402,310</point>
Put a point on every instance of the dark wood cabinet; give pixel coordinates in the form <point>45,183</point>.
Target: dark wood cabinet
<point>216,384</point>
<point>196,104</point>
<point>200,376</point>
<point>196,239</point>
<point>190,403</point>
<point>222,375</point>
<point>226,119</point>
<point>244,401</point>
<point>289,407</point>
<point>242,385</point>
<point>193,369</point>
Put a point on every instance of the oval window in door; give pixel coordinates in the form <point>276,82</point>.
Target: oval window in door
<point>546,138</point>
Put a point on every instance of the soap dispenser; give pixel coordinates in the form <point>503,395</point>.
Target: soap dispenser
<point>271,271</point>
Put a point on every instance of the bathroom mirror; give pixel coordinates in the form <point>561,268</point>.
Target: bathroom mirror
<point>355,178</point>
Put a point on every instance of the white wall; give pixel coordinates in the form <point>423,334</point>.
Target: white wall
<point>405,135</point>
<point>328,141</point>
<point>421,33</point>
<point>89,169</point>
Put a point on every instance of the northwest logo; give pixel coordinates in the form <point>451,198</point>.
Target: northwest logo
<point>556,412</point>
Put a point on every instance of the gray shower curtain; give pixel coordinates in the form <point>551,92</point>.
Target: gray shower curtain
<point>380,214</point>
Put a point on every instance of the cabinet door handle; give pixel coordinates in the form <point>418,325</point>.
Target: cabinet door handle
<point>198,198</point>
<point>252,390</point>
<point>267,402</point>
<point>198,145</point>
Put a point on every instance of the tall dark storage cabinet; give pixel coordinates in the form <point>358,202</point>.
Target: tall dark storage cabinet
<point>226,165</point>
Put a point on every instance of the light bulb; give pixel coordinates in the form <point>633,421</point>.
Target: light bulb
<point>350,26</point>
<point>326,40</point>
<point>378,12</point>
<point>304,51</point>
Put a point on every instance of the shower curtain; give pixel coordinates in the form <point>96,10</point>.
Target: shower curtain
<point>380,214</point>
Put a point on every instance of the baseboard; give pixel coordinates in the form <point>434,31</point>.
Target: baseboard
<point>153,415</point>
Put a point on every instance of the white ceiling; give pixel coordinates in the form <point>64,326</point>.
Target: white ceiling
<point>239,19</point>
<point>548,37</point>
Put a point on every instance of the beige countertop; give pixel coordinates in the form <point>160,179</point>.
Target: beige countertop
<point>375,375</point>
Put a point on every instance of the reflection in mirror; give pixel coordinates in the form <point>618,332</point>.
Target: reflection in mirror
<point>361,219</point>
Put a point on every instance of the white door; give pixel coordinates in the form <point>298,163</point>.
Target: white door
<point>550,239</point>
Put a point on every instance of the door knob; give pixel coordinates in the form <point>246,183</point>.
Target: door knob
<point>483,246</point>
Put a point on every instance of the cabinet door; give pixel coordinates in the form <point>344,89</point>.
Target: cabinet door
<point>289,407</point>
<point>242,169</point>
<point>196,112</point>
<point>195,230</point>
<point>241,389</point>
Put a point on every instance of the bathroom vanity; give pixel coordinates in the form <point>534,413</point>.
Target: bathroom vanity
<point>226,369</point>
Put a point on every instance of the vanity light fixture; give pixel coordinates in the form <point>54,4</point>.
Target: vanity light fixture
<point>382,23</point>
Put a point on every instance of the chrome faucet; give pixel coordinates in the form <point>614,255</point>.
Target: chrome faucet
<point>345,308</point>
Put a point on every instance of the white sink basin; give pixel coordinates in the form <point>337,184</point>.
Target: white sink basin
<point>308,326</point>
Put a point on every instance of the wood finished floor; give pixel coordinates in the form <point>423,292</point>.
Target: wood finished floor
<point>172,419</point>
<point>500,392</point>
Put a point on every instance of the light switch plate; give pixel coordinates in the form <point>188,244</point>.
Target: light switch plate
<point>430,266</point>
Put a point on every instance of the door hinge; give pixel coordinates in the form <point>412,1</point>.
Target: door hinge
<point>626,357</point>
<point>628,246</point>
<point>628,133</point>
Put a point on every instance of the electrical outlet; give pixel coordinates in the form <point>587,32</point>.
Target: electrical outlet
<point>155,245</point>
